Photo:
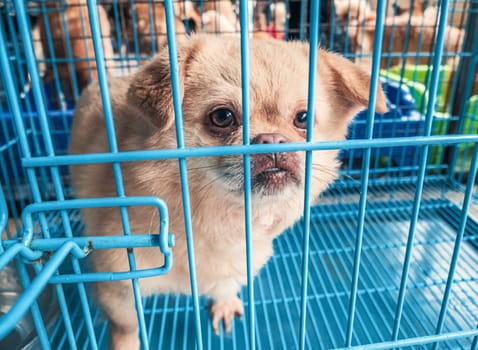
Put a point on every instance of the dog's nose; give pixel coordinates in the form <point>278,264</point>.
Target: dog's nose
<point>269,138</point>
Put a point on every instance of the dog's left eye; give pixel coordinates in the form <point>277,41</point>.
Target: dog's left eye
<point>222,118</point>
<point>300,120</point>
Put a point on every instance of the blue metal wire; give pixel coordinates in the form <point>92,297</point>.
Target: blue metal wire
<point>9,86</point>
<point>85,42</point>
<point>286,23</point>
<point>474,345</point>
<point>174,69</point>
<point>118,38</point>
<point>9,188</point>
<point>3,218</point>
<point>37,149</point>
<point>240,150</point>
<point>415,341</point>
<point>302,25</point>
<point>69,52</point>
<point>458,242</point>
<point>319,304</point>
<point>134,21</point>
<point>422,172</point>
<point>381,7</point>
<point>467,92</point>
<point>152,26</point>
<point>23,303</point>
<point>244,21</point>
<point>314,39</point>
<point>105,96</point>
<point>41,108</point>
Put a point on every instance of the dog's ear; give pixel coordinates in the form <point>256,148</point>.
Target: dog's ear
<point>150,90</point>
<point>349,83</point>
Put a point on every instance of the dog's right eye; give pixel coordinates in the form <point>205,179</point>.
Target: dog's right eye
<point>222,118</point>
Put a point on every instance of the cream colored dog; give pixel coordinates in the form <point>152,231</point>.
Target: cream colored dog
<point>210,76</point>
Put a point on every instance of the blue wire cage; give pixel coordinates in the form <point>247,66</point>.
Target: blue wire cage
<point>388,257</point>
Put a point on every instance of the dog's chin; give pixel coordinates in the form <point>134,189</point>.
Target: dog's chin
<point>273,182</point>
<point>270,184</point>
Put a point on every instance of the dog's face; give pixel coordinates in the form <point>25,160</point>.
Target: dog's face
<point>210,75</point>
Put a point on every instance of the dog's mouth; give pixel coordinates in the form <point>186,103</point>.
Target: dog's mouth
<point>273,173</point>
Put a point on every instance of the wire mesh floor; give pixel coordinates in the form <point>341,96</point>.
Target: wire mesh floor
<point>277,288</point>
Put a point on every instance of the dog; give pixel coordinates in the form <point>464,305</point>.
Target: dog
<point>212,113</point>
<point>215,23</point>
<point>351,15</point>
<point>457,13</point>
<point>145,14</point>
<point>352,10</point>
<point>420,33</point>
<point>72,17</point>
<point>225,9</point>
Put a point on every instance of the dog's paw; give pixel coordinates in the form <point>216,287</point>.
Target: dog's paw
<point>225,311</point>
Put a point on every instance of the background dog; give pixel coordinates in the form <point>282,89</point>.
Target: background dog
<point>67,26</point>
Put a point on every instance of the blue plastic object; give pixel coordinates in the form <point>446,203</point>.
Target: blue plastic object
<point>386,259</point>
<point>401,120</point>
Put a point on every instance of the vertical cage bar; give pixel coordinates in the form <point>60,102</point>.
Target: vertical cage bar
<point>35,138</point>
<point>474,345</point>
<point>3,216</point>
<point>459,106</point>
<point>244,21</point>
<point>151,7</point>
<point>7,188</point>
<point>44,127</point>
<point>9,86</point>
<point>134,22</point>
<point>45,10</point>
<point>69,49</point>
<point>118,19</point>
<point>12,98</point>
<point>173,62</point>
<point>458,241</point>
<point>34,309</point>
<point>11,186</point>
<point>377,50</point>
<point>108,117</point>
<point>302,20</point>
<point>423,162</point>
<point>314,40</point>
<point>85,37</point>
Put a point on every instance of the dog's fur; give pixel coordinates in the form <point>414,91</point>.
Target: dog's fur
<point>210,77</point>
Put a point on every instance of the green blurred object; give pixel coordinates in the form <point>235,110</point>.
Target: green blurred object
<point>420,74</point>
<point>470,126</point>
